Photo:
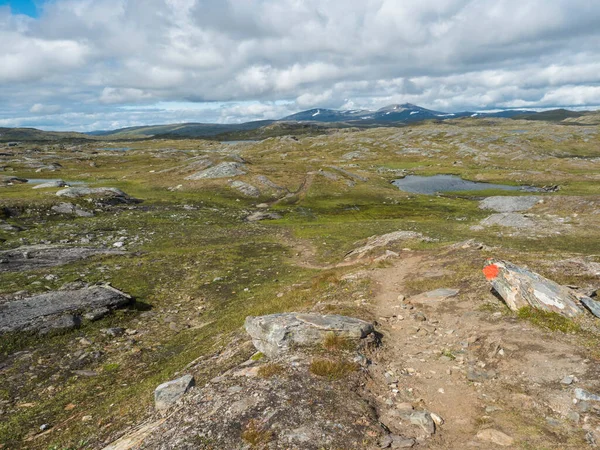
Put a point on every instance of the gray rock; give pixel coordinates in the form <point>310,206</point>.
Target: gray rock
<point>7,180</point>
<point>581,394</point>
<point>279,333</point>
<point>382,241</point>
<point>38,256</point>
<point>386,441</point>
<point>422,419</point>
<point>4,226</point>
<point>51,184</point>
<point>479,375</point>
<point>520,287</point>
<point>567,380</point>
<point>591,305</point>
<point>509,220</point>
<point>96,314</point>
<point>509,204</point>
<point>59,309</point>
<point>106,195</point>
<point>496,437</point>
<point>114,332</point>
<point>245,188</point>
<point>168,393</point>
<point>223,170</point>
<point>402,442</point>
<point>70,208</point>
<point>260,215</point>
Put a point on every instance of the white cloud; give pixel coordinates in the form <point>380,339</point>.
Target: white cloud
<point>89,58</point>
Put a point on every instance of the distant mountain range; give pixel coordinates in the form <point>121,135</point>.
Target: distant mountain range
<point>305,122</point>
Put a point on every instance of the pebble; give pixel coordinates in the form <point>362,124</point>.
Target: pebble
<point>567,380</point>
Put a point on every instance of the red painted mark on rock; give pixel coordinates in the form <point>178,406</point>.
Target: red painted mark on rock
<point>491,271</point>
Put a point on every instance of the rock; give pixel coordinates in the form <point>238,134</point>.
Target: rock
<point>567,380</point>
<point>510,220</point>
<point>402,442</point>
<point>37,256</point>
<point>12,180</point>
<point>114,332</point>
<point>590,304</point>
<point>495,437</point>
<point>59,309</point>
<point>581,394</point>
<point>223,170</point>
<point>70,208</point>
<point>381,241</point>
<point>279,333</point>
<point>478,375</point>
<point>423,419</point>
<point>4,226</point>
<point>509,204</point>
<point>245,188</point>
<point>434,297</point>
<point>168,393</point>
<point>259,215</point>
<point>104,194</point>
<point>386,441</point>
<point>51,184</point>
<point>520,287</point>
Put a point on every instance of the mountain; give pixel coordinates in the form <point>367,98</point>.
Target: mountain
<point>326,115</point>
<point>33,134</point>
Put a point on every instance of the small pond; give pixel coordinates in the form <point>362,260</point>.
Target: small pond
<point>48,180</point>
<point>450,183</point>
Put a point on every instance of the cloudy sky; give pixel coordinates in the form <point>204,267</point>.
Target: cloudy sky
<point>102,64</point>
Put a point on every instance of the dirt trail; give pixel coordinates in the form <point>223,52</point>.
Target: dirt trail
<point>475,369</point>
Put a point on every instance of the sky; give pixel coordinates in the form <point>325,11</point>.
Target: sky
<point>87,65</point>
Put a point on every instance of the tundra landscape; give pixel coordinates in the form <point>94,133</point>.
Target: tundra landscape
<point>128,264</point>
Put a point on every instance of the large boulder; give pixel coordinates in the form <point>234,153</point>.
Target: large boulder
<point>58,309</point>
<point>279,333</point>
<point>508,204</point>
<point>223,170</point>
<point>520,287</point>
<point>168,393</point>
<point>105,194</point>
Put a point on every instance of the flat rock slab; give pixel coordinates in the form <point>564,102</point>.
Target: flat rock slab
<point>105,194</point>
<point>434,297</point>
<point>279,333</point>
<point>38,256</point>
<point>59,309</point>
<point>222,170</point>
<point>382,241</point>
<point>496,437</point>
<point>520,288</point>
<point>245,188</point>
<point>509,204</point>
<point>168,393</point>
<point>508,220</point>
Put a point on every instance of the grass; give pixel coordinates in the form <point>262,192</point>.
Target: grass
<point>336,343</point>
<point>332,369</point>
<point>256,434</point>
<point>548,320</point>
<point>270,370</point>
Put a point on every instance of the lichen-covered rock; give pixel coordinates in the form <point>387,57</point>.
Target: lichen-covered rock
<point>58,309</point>
<point>70,208</point>
<point>520,287</point>
<point>507,204</point>
<point>279,333</point>
<point>223,170</point>
<point>245,188</point>
<point>110,195</point>
<point>383,240</point>
<point>168,393</point>
<point>51,184</point>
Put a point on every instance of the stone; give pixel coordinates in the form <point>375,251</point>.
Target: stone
<point>166,394</point>
<point>590,304</point>
<point>422,419</point>
<point>508,204</point>
<point>509,220</point>
<point>381,241</point>
<point>567,380</point>
<point>495,437</point>
<point>520,287</point>
<point>434,297</point>
<point>222,170</point>
<point>51,184</point>
<point>114,332</point>
<point>581,394</point>
<point>12,180</point>
<point>402,442</point>
<point>260,215</point>
<point>279,333</point>
<point>478,375</point>
<point>70,208</point>
<point>386,441</point>
<point>245,188</point>
<point>59,309</point>
<point>105,194</point>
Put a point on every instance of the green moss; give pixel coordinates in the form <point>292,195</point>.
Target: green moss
<point>548,320</point>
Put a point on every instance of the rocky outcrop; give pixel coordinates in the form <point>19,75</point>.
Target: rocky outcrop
<point>383,240</point>
<point>520,288</point>
<point>279,333</point>
<point>245,188</point>
<point>222,170</point>
<point>37,256</point>
<point>59,309</point>
<point>105,195</point>
<point>166,394</point>
<point>51,184</point>
<point>70,208</point>
<point>509,220</point>
<point>509,204</point>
